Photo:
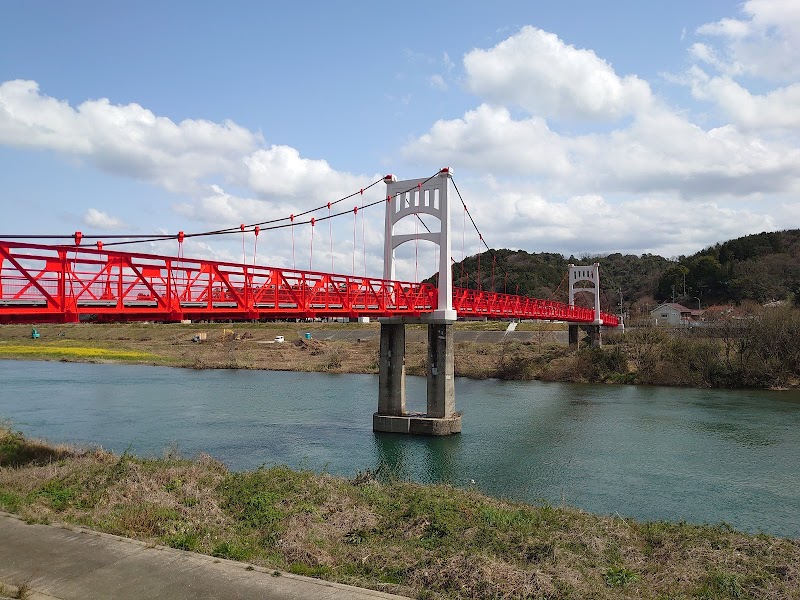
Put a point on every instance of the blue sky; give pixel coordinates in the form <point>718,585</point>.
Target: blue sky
<point>572,127</point>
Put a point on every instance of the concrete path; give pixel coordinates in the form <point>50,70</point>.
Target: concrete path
<point>52,562</point>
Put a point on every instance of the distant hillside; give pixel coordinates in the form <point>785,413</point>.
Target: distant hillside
<point>760,267</point>
<point>543,275</point>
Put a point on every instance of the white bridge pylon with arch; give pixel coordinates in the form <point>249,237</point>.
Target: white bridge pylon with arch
<point>581,274</point>
<point>412,197</point>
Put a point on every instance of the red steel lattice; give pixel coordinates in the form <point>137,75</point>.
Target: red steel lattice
<point>64,284</point>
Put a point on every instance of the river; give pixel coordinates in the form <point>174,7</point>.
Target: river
<point>703,456</point>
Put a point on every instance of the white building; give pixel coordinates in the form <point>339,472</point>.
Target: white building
<point>673,314</point>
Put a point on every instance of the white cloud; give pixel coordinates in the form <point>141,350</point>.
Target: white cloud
<point>775,110</point>
<point>658,151</point>
<point>218,206</point>
<point>537,71</point>
<point>591,223</point>
<point>281,172</point>
<point>101,220</point>
<point>764,43</point>
<point>189,157</point>
<point>123,139</point>
<point>656,181</point>
<point>663,151</point>
<point>488,139</point>
<point>706,54</point>
<point>730,28</point>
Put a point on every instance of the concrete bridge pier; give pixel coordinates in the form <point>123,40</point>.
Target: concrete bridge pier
<point>392,370</point>
<point>441,417</point>
<point>593,331</point>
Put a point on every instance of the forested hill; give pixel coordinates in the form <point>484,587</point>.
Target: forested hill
<point>760,267</point>
<point>544,275</point>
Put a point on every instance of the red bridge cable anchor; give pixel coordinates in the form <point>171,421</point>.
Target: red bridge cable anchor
<point>256,231</point>
<point>244,256</point>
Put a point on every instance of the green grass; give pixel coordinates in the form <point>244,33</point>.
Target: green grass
<point>57,494</point>
<point>416,540</point>
<point>619,577</point>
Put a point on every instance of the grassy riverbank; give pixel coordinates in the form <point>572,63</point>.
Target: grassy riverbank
<point>423,541</point>
<point>756,350</point>
<point>333,347</point>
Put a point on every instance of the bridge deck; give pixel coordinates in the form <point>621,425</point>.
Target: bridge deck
<point>60,284</point>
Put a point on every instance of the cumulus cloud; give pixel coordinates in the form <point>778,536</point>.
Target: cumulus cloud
<point>281,171</point>
<point>655,149</point>
<point>758,49</point>
<point>489,139</point>
<point>218,206</point>
<point>191,157</point>
<point>98,219</point>
<point>592,223</point>
<point>123,139</point>
<point>765,42</point>
<point>663,151</point>
<point>774,110</point>
<point>537,71</point>
<point>656,180</point>
<point>658,151</point>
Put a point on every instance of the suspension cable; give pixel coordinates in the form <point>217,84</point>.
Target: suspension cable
<point>330,235</point>
<point>480,235</point>
<point>355,227</point>
<point>278,223</point>
<point>311,253</point>
<point>241,227</point>
<point>255,243</point>
<point>294,264</point>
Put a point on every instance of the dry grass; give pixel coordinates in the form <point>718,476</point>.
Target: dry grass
<point>251,347</point>
<point>424,541</point>
<point>20,591</point>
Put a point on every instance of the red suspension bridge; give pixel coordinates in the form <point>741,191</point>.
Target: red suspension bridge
<point>68,283</point>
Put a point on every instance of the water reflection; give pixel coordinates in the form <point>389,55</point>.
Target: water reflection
<point>422,459</point>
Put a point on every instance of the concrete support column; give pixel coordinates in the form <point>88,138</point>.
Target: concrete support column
<point>392,370</point>
<point>593,331</point>
<point>574,335</point>
<point>441,417</point>
<point>594,335</point>
<point>441,382</point>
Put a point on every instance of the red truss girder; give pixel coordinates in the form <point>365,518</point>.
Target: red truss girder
<point>59,284</point>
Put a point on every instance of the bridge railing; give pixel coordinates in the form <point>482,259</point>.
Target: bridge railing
<point>60,283</point>
<point>44,283</point>
<point>507,306</point>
